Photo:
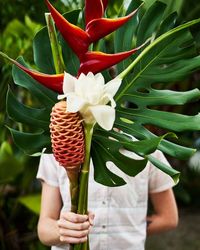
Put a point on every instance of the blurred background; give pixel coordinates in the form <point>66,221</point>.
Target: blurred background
<point>19,191</point>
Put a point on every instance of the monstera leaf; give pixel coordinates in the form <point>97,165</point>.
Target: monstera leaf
<point>169,56</point>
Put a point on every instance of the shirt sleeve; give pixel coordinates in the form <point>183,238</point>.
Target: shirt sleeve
<point>158,180</point>
<point>48,170</point>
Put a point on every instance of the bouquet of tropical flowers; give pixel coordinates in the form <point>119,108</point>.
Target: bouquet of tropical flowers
<point>93,103</point>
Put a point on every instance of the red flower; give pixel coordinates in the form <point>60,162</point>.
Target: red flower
<point>54,82</point>
<point>96,28</point>
<point>79,41</point>
<point>94,9</point>
<point>97,61</point>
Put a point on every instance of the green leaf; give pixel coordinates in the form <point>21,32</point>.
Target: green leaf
<point>167,24</point>
<point>142,147</point>
<point>101,173</point>
<point>167,120</point>
<point>125,37</point>
<point>18,112</point>
<point>32,202</point>
<point>150,22</point>
<point>109,146</point>
<point>38,140</point>
<point>42,52</point>
<point>172,5</point>
<point>111,151</point>
<point>168,46</point>
<point>162,97</point>
<point>174,71</point>
<point>165,168</point>
<point>177,151</point>
<point>141,133</point>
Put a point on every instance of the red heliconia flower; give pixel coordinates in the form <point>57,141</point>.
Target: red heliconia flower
<point>79,39</point>
<point>96,28</point>
<point>53,82</point>
<point>94,9</point>
<point>92,60</point>
<point>67,137</point>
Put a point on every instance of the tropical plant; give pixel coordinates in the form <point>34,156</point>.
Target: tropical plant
<point>167,55</point>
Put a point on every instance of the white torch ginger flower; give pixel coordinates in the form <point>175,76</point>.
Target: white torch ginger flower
<point>89,95</point>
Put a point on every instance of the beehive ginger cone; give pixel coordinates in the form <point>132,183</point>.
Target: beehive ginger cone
<point>68,145</point>
<point>67,137</point>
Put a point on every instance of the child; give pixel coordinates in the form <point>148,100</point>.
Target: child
<point>120,212</point>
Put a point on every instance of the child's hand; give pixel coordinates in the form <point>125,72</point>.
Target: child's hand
<point>74,228</point>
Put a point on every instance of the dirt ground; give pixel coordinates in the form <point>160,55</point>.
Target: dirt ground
<point>185,237</point>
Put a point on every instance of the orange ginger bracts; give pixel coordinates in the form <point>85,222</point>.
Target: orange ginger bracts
<point>67,137</point>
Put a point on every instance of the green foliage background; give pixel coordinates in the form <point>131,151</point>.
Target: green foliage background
<point>18,189</point>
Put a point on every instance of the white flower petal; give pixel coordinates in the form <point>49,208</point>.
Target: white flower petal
<point>99,79</point>
<point>104,115</point>
<point>82,77</point>
<point>83,85</point>
<point>112,86</point>
<point>68,83</point>
<point>79,87</point>
<point>75,103</point>
<point>88,88</point>
<point>90,75</point>
<point>112,101</point>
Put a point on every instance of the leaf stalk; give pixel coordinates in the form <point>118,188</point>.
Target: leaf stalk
<point>55,47</point>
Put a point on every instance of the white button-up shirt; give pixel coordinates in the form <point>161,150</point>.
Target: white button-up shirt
<point>120,212</point>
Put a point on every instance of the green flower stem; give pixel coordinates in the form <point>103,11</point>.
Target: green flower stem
<point>82,204</point>
<point>84,176</point>
<point>55,47</point>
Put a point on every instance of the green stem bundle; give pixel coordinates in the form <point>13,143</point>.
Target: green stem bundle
<point>84,177</point>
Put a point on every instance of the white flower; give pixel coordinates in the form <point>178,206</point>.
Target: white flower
<point>89,95</point>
